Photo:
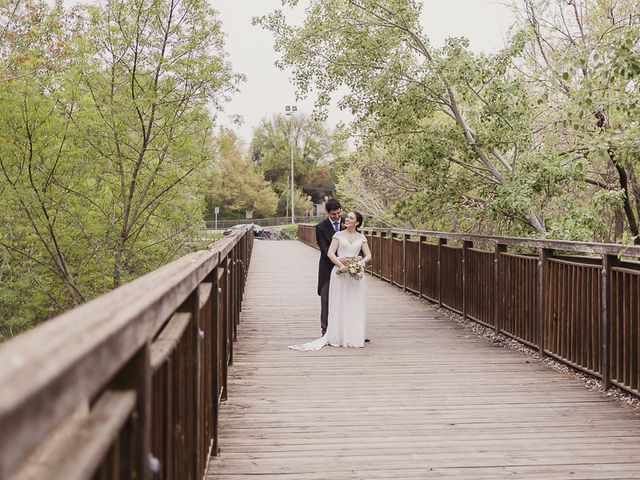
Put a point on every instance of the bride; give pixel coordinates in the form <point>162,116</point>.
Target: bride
<point>347,295</point>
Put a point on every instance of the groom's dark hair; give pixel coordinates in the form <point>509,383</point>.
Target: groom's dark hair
<point>359,219</point>
<point>332,205</point>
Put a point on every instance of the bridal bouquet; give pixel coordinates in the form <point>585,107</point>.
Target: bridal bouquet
<point>355,269</point>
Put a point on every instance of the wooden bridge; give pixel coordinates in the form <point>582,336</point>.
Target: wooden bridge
<point>149,381</point>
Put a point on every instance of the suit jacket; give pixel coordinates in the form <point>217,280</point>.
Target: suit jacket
<point>324,234</point>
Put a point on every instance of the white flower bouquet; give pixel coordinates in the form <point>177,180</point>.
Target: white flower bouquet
<point>355,268</point>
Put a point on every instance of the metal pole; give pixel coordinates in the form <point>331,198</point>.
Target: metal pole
<point>290,110</point>
<point>293,215</point>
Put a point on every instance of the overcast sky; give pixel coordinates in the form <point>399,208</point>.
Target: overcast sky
<point>267,89</point>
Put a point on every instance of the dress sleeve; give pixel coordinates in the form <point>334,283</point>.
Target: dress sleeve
<point>364,238</point>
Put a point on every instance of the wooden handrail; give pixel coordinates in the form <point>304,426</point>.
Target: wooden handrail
<point>92,436</point>
<point>168,339</point>
<point>534,243</point>
<point>582,310</point>
<point>105,344</point>
<point>562,245</point>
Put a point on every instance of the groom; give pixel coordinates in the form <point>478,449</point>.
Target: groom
<point>324,233</point>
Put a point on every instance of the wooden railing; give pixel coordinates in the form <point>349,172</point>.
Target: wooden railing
<point>577,302</point>
<point>128,384</point>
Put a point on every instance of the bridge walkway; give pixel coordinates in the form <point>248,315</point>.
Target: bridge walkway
<point>425,399</point>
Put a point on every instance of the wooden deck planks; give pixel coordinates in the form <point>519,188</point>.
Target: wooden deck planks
<point>425,399</point>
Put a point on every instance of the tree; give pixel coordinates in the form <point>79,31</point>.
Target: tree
<point>37,49</point>
<point>582,59</point>
<point>302,202</point>
<point>237,185</point>
<point>155,67</point>
<point>100,145</point>
<point>314,149</point>
<point>34,38</point>
<point>405,194</point>
<point>457,108</point>
<point>536,138</point>
<point>373,183</point>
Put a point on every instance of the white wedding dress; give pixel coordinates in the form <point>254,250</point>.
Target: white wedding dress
<point>347,304</point>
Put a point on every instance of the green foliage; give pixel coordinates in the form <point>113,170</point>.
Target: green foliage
<point>100,141</point>
<point>237,185</point>
<point>439,107</point>
<point>371,182</point>
<point>288,232</point>
<point>518,142</point>
<point>314,151</point>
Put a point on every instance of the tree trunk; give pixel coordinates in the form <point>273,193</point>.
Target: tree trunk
<point>635,188</point>
<point>117,261</point>
<point>536,222</point>
<point>619,225</point>
<point>532,218</point>
<point>628,210</point>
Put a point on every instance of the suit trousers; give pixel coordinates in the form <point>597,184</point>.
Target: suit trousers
<point>324,307</point>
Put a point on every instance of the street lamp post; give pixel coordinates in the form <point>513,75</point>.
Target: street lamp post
<point>290,110</point>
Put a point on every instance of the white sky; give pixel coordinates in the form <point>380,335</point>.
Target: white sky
<point>267,90</point>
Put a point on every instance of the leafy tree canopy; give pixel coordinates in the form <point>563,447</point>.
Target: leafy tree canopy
<point>237,184</point>
<point>538,138</point>
<point>105,122</point>
<point>314,149</point>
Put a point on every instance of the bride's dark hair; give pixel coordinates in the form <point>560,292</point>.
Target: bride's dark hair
<point>359,219</point>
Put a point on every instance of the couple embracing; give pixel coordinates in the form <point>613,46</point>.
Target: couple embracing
<point>344,252</point>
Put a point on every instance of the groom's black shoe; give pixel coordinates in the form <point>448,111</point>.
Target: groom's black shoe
<point>323,332</point>
<point>366,340</point>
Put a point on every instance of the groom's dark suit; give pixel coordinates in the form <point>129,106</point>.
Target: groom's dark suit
<point>324,233</point>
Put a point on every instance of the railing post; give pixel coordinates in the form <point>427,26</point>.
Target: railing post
<point>497,294</point>
<point>236,287</point>
<point>136,375</point>
<point>191,424</point>
<point>392,237</point>
<point>543,256</point>
<point>231,266</point>
<point>380,239</point>
<point>404,262</point>
<point>420,240</point>
<point>441,242</point>
<point>215,358</point>
<point>605,333</point>
<point>224,324</point>
<point>371,264</point>
<point>228,300</point>
<point>466,245</point>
